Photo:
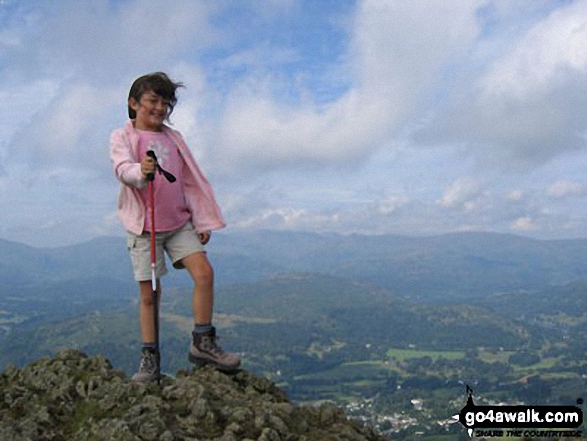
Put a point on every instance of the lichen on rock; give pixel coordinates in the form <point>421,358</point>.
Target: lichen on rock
<point>75,397</point>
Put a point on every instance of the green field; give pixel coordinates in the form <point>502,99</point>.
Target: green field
<point>404,354</point>
<point>350,371</point>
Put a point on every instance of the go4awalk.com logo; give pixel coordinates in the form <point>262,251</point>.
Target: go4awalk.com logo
<point>521,421</point>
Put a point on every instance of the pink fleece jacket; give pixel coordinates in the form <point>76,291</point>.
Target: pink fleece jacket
<point>124,142</point>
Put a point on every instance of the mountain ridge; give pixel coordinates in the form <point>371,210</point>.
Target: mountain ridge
<point>459,265</point>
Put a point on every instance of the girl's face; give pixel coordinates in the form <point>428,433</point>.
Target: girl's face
<point>151,111</point>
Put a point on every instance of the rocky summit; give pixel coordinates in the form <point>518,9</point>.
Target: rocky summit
<point>75,397</point>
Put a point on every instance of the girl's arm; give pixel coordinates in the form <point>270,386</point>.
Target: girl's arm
<point>126,168</point>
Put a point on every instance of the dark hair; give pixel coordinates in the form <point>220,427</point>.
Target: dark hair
<point>157,82</point>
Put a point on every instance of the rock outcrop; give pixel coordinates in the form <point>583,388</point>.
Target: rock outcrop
<point>75,397</point>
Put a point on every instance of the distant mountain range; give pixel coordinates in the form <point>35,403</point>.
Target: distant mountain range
<point>449,267</point>
<point>453,266</point>
<point>330,317</point>
<point>318,278</point>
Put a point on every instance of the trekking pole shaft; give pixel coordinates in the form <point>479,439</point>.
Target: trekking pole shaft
<point>153,244</point>
<point>154,278</point>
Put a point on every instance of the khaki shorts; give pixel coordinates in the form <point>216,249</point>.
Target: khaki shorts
<point>177,244</point>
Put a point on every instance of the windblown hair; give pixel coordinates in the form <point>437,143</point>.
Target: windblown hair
<point>157,82</point>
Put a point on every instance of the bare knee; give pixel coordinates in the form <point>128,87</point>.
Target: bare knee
<point>204,274</point>
<point>200,269</point>
<point>146,294</point>
<point>147,300</point>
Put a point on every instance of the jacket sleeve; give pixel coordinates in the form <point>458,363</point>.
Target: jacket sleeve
<point>206,214</point>
<point>126,168</point>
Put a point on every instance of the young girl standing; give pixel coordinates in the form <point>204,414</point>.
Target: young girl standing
<point>186,213</point>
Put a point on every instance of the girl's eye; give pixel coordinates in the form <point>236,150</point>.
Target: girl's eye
<point>153,102</point>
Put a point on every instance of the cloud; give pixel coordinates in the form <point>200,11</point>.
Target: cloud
<point>69,131</point>
<point>394,57</point>
<point>524,224</point>
<point>289,218</point>
<point>309,130</point>
<point>543,58</point>
<point>516,195</point>
<point>103,39</point>
<point>565,188</point>
<point>311,207</point>
<point>72,64</point>
<point>460,193</point>
<point>523,105</point>
<point>24,101</point>
<point>392,204</point>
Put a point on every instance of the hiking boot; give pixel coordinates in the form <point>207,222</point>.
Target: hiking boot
<point>204,350</point>
<point>148,368</point>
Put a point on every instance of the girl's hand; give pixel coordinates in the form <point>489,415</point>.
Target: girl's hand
<point>204,237</point>
<point>148,165</point>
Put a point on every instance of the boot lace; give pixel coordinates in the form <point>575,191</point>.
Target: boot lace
<point>147,363</point>
<point>214,348</point>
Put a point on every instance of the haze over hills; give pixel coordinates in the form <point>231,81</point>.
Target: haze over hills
<point>367,278</point>
<point>334,317</point>
<point>458,265</point>
<point>475,268</point>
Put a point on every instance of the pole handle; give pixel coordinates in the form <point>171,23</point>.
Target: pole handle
<point>168,176</point>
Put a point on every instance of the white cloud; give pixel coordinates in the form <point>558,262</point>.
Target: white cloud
<point>523,105</point>
<point>261,57</point>
<point>543,58</point>
<point>395,57</point>
<point>515,195</point>
<point>81,58</point>
<point>460,192</point>
<point>392,204</point>
<point>293,139</point>
<point>468,228</point>
<point>127,37</point>
<point>69,131</point>
<point>22,102</point>
<point>524,224</point>
<point>565,188</point>
<point>290,218</point>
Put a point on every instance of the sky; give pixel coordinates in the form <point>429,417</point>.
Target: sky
<point>416,118</point>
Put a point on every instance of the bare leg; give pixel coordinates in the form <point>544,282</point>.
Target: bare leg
<point>202,273</point>
<point>146,310</point>
<point>204,349</point>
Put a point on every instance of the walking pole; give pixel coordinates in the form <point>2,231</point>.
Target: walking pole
<point>150,179</point>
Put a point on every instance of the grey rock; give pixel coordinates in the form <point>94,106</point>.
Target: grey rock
<point>72,396</point>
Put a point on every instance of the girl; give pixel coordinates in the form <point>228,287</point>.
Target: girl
<point>186,213</point>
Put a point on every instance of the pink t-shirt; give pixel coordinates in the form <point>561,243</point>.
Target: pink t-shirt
<point>171,210</point>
